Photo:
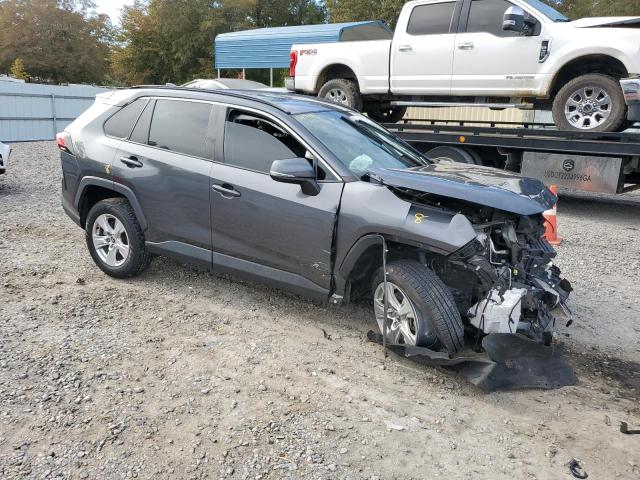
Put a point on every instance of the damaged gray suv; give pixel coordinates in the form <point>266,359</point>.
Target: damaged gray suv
<point>313,198</point>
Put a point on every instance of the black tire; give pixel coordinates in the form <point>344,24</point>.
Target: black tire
<point>138,258</point>
<point>453,154</point>
<point>385,114</point>
<point>349,93</point>
<point>618,108</point>
<point>434,303</point>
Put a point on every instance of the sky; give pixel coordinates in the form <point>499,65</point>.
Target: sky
<point>112,8</point>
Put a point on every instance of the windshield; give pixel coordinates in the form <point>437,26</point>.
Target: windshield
<point>359,143</point>
<point>548,11</point>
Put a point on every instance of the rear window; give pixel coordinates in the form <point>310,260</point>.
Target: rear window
<point>431,19</point>
<point>121,124</point>
<point>180,126</point>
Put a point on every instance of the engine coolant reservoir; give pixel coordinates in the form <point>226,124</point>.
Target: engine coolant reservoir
<point>501,315</point>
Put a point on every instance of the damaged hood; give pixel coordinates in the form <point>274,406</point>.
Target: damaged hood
<point>606,22</point>
<point>482,185</point>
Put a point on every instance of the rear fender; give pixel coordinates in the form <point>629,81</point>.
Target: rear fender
<point>126,192</point>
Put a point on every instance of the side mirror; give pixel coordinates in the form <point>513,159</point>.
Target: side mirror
<point>296,170</point>
<point>513,19</point>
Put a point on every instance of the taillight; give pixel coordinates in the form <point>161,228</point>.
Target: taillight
<point>293,61</point>
<point>63,139</point>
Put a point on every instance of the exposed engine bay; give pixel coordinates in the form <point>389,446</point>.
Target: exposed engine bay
<point>504,281</point>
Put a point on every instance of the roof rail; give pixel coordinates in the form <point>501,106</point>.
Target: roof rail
<point>229,93</point>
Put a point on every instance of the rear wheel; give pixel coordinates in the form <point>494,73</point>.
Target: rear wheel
<point>421,310</point>
<point>590,103</point>
<point>343,92</point>
<point>385,113</point>
<point>115,239</point>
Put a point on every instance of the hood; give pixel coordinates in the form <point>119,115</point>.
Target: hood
<point>606,22</point>
<point>482,185</point>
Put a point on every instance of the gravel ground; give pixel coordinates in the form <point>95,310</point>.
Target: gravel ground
<point>184,374</point>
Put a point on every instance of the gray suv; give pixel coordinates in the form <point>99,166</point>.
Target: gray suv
<point>312,197</point>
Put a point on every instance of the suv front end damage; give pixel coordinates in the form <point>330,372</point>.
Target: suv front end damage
<point>504,280</point>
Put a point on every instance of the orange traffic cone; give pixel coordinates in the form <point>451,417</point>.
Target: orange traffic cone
<point>551,221</point>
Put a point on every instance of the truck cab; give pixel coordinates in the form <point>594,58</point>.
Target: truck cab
<point>493,53</point>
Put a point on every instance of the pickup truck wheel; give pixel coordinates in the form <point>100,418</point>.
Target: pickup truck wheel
<point>385,114</point>
<point>115,239</point>
<point>343,92</point>
<point>421,310</point>
<point>592,103</point>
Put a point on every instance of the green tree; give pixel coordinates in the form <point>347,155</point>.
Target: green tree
<point>172,40</point>
<point>58,41</point>
<point>17,69</point>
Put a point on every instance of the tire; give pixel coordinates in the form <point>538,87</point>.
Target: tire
<point>343,92</point>
<point>385,114</point>
<point>453,154</point>
<point>112,211</point>
<point>437,322</point>
<point>578,100</point>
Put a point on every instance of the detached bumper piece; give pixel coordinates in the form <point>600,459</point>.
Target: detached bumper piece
<point>631,91</point>
<point>509,362</point>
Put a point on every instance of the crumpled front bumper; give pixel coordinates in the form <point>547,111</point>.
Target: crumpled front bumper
<point>631,91</point>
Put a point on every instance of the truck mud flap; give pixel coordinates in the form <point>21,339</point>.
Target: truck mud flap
<point>509,362</point>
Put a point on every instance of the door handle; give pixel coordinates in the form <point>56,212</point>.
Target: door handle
<point>131,162</point>
<point>405,48</point>
<point>466,46</point>
<point>226,190</point>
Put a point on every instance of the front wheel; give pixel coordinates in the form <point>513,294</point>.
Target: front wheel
<point>590,103</point>
<point>421,310</point>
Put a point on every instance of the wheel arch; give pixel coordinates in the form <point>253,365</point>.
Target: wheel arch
<point>94,189</point>
<point>605,64</point>
<point>365,257</point>
<point>335,71</point>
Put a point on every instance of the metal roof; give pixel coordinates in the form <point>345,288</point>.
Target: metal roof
<point>270,47</point>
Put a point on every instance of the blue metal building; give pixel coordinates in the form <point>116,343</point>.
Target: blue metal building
<point>270,47</point>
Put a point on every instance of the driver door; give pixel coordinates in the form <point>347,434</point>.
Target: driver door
<point>267,229</point>
<point>490,61</point>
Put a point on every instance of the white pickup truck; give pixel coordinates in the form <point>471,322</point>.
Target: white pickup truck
<point>492,53</point>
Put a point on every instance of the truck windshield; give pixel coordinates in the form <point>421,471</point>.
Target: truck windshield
<point>359,143</point>
<point>548,11</point>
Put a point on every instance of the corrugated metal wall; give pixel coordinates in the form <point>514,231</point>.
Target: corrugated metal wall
<point>31,111</point>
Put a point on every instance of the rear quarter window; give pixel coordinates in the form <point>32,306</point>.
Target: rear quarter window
<point>121,123</point>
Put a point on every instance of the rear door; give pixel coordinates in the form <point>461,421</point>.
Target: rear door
<point>167,163</point>
<point>422,52</point>
<point>492,61</point>
<point>265,228</point>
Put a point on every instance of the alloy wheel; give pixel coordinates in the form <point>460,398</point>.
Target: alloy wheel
<point>110,240</point>
<point>402,317</point>
<point>337,95</point>
<point>588,107</point>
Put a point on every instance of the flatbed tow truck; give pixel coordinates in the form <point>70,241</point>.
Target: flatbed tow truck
<point>587,161</point>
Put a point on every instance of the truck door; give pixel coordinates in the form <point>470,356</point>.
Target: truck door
<point>422,49</point>
<point>491,61</point>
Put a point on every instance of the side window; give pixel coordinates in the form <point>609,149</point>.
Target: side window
<point>253,142</point>
<point>140,132</point>
<point>180,126</point>
<point>121,124</point>
<point>431,19</point>
<point>486,16</point>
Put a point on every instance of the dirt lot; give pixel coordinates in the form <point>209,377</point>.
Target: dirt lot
<point>184,374</point>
